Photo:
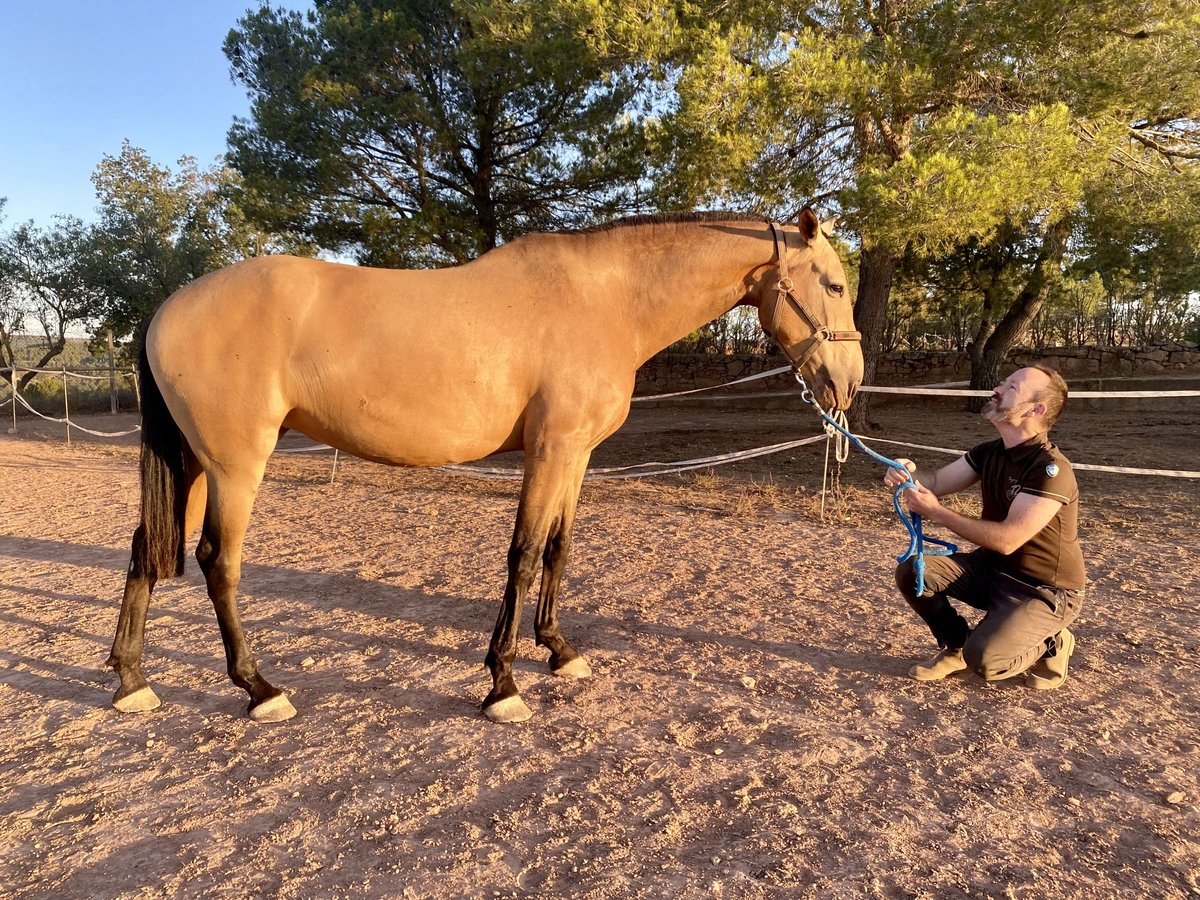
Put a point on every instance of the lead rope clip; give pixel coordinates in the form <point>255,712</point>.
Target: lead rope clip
<point>916,538</point>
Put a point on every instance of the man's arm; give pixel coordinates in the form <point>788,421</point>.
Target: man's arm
<point>1026,517</point>
<point>949,479</point>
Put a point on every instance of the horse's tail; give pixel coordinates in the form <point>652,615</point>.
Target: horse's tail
<point>164,491</point>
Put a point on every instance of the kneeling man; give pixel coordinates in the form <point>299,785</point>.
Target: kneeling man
<point>1027,574</point>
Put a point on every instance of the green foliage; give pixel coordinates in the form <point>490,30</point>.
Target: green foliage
<point>159,229</point>
<point>42,286</point>
<point>416,132</point>
<point>967,173</point>
<point>939,129</point>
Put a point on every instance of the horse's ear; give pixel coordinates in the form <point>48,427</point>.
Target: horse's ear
<point>828,225</point>
<point>810,225</point>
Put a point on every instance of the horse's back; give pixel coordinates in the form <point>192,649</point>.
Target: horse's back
<point>417,367</point>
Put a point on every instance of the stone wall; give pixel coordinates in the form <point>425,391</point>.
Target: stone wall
<point>1107,362</point>
<point>669,372</point>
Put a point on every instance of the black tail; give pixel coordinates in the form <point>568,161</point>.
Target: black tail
<point>164,498</point>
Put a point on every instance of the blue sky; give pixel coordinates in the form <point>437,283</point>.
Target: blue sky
<point>77,78</point>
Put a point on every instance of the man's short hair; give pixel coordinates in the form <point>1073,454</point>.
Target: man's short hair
<point>1053,396</point>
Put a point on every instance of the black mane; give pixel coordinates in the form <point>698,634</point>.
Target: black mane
<point>672,219</point>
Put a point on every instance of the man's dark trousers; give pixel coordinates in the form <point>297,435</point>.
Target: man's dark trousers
<point>1020,619</point>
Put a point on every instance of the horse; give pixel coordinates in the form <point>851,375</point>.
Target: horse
<point>533,346</point>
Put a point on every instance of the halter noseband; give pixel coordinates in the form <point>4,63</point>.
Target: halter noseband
<point>802,351</point>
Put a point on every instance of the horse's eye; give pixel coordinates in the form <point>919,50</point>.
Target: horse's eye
<point>838,289</point>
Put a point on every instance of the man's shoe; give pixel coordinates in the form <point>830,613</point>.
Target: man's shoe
<point>1051,671</point>
<point>947,662</point>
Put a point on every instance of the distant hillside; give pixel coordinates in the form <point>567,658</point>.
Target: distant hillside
<point>30,347</point>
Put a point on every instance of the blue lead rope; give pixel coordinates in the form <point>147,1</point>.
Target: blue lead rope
<point>916,538</point>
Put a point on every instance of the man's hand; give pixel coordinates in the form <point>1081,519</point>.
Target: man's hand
<point>893,477</point>
<point>923,502</point>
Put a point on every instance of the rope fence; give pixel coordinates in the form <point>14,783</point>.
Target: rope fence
<point>14,373</point>
<point>945,389</point>
<point>648,469</point>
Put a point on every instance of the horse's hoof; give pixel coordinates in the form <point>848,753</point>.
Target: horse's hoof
<point>576,668</point>
<point>275,709</point>
<point>510,709</point>
<point>142,700</point>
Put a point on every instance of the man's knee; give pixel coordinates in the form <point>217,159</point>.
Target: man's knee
<point>906,578</point>
<point>985,663</point>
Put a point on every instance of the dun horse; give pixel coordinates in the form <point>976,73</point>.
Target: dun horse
<point>531,347</point>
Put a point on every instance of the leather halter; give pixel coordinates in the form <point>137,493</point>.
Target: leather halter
<point>802,351</point>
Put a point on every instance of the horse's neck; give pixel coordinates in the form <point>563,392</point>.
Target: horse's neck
<point>680,286</point>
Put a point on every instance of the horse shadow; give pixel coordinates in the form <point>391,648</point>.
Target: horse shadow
<point>391,618</point>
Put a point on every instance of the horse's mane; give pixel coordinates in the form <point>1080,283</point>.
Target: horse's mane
<point>680,218</point>
<point>683,218</point>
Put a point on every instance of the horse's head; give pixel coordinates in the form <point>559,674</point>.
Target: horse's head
<point>809,312</point>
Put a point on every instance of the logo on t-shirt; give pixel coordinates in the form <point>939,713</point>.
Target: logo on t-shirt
<point>1052,470</point>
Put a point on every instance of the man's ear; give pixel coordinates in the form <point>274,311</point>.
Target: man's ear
<point>1039,409</point>
<point>810,225</point>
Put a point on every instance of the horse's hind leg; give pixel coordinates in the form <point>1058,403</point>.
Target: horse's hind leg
<point>135,693</point>
<point>231,497</point>
<point>551,478</point>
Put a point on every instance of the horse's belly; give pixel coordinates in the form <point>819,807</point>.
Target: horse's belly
<point>417,434</point>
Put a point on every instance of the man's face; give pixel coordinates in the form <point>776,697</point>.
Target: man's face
<point>1015,397</point>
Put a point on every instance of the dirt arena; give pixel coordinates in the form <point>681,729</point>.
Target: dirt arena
<point>749,731</point>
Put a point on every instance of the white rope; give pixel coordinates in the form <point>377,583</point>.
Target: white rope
<point>928,392</point>
<point>67,421</point>
<point>1086,467</point>
<point>1132,470</point>
<point>941,392</point>
<point>614,473</point>
<point>622,472</point>
<point>714,386</point>
<point>25,404</point>
<point>840,441</point>
<point>60,372</point>
<point>841,444</point>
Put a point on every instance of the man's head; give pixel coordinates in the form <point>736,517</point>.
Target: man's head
<point>1031,398</point>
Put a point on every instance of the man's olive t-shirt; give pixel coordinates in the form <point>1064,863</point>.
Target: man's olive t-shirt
<point>1052,556</point>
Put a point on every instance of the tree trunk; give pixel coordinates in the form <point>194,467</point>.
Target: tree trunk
<point>986,367</point>
<point>877,268</point>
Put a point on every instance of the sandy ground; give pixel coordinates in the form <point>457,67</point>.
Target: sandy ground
<point>749,730</point>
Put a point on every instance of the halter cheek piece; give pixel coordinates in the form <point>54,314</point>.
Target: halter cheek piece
<point>802,351</point>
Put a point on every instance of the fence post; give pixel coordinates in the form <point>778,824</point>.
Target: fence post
<point>13,373</point>
<point>112,376</point>
<point>66,405</point>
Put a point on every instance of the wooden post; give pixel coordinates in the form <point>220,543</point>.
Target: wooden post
<point>13,372</point>
<point>66,405</point>
<point>112,376</point>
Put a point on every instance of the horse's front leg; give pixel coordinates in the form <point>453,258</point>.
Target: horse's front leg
<point>551,479</point>
<point>565,660</point>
